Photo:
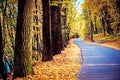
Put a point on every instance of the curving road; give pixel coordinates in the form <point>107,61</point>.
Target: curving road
<point>99,63</point>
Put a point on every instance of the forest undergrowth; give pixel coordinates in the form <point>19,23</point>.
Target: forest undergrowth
<point>65,66</point>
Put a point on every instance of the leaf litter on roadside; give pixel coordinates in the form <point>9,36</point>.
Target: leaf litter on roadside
<point>64,66</point>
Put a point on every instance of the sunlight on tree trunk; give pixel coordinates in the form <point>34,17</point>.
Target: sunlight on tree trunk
<point>23,42</point>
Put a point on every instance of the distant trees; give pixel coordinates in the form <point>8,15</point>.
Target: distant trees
<point>104,16</point>
<point>72,19</point>
<point>23,42</point>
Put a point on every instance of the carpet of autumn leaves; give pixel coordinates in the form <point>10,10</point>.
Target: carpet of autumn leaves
<point>113,43</point>
<point>108,41</point>
<point>64,66</point>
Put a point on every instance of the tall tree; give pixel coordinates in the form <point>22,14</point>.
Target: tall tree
<point>95,25</point>
<point>56,32</point>
<point>3,29</point>
<point>47,44</point>
<point>64,26</point>
<point>23,42</point>
<point>2,68</point>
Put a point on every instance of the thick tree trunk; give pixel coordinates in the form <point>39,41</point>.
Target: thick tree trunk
<point>23,42</point>
<point>56,29</point>
<point>3,37</point>
<point>47,45</point>
<point>2,68</point>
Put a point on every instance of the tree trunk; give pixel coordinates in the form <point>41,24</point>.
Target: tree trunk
<point>36,16</point>
<point>103,26</point>
<point>91,26</point>
<point>96,30</point>
<point>2,68</point>
<point>56,29</point>
<point>118,4</point>
<point>64,23</point>
<point>109,29</point>
<point>47,45</point>
<point>3,36</point>
<point>23,42</point>
<point>91,30</point>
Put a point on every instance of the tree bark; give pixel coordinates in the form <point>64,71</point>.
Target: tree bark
<point>23,42</point>
<point>109,29</point>
<point>2,68</point>
<point>103,26</point>
<point>56,29</point>
<point>96,30</point>
<point>47,44</point>
<point>36,17</point>
<point>3,40</point>
<point>64,23</point>
<point>91,26</point>
<point>91,30</point>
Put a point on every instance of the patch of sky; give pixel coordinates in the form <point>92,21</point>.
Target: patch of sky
<point>77,5</point>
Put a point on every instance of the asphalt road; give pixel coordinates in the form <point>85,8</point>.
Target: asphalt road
<point>98,62</point>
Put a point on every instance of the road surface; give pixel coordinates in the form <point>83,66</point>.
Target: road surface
<point>98,62</point>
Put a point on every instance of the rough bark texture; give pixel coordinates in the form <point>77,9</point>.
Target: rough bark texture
<point>47,45</point>
<point>2,68</point>
<point>56,29</point>
<point>64,23</point>
<point>23,42</point>
<point>3,40</point>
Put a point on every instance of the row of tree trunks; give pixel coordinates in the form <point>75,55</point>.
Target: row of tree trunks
<point>102,20</point>
<point>23,42</point>
<point>52,32</point>
<point>91,25</point>
<point>52,37</point>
